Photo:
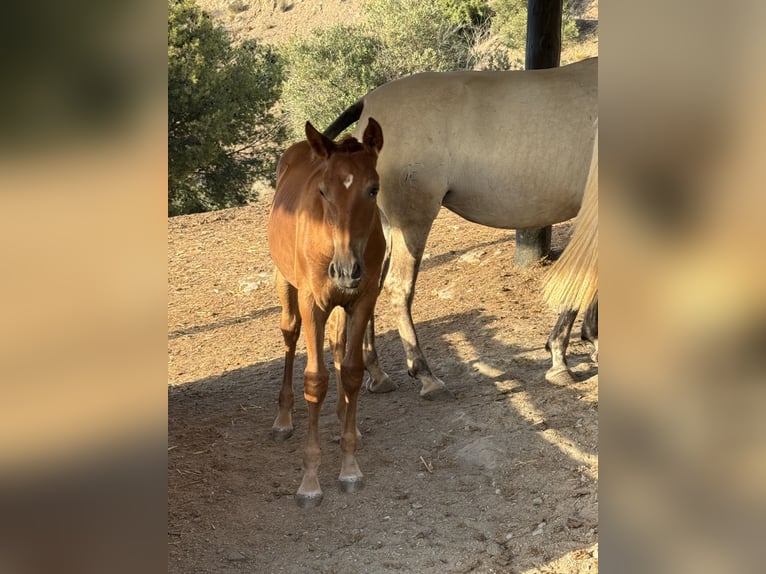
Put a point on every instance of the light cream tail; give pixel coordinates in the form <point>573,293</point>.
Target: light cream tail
<point>572,282</point>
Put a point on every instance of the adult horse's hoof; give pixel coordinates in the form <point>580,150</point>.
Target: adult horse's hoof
<point>280,435</point>
<point>308,500</point>
<point>562,377</point>
<point>385,385</point>
<point>434,389</point>
<point>438,395</point>
<point>352,484</point>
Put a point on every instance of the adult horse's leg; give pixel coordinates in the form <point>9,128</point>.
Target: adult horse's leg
<point>379,381</point>
<point>315,381</point>
<point>290,324</point>
<point>409,233</point>
<point>352,372</point>
<point>590,327</point>
<point>557,343</point>
<point>336,332</point>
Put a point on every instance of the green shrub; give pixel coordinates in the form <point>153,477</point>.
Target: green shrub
<point>490,53</point>
<point>467,13</point>
<point>222,132</point>
<point>417,36</point>
<point>510,23</point>
<point>326,73</point>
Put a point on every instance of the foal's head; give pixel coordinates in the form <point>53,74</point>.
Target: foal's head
<point>349,186</point>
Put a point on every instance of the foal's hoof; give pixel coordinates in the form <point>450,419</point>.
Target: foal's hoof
<point>562,377</point>
<point>337,438</point>
<point>349,485</point>
<point>308,500</point>
<point>280,435</point>
<point>386,385</point>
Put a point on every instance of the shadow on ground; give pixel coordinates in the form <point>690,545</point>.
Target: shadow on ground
<point>501,479</point>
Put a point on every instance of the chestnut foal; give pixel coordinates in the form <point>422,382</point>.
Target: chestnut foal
<point>327,242</point>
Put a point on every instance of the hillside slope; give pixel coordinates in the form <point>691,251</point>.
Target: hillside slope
<point>279,21</point>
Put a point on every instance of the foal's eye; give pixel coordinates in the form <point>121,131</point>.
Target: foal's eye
<point>374,190</point>
<point>321,191</point>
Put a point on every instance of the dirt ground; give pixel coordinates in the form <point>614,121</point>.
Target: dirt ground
<point>501,479</point>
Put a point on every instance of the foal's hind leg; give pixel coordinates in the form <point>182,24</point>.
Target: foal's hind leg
<point>557,343</point>
<point>336,332</point>
<point>590,327</point>
<point>290,323</point>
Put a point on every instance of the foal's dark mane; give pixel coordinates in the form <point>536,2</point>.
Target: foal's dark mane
<point>348,144</point>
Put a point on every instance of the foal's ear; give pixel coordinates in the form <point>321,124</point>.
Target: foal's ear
<point>321,145</point>
<point>373,136</point>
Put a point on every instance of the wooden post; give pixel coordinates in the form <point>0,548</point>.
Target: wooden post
<point>543,34</point>
<point>532,244</point>
<point>543,51</point>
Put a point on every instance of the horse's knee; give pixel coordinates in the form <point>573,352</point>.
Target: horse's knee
<point>351,375</point>
<point>290,335</point>
<point>315,386</point>
<point>290,325</point>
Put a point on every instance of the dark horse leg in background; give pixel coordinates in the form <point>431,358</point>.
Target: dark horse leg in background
<point>557,344</point>
<point>590,327</point>
<point>558,341</point>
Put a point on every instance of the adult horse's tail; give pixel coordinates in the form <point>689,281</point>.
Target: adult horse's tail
<point>572,282</point>
<point>345,119</point>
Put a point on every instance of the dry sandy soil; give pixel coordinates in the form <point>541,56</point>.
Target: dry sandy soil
<point>501,479</point>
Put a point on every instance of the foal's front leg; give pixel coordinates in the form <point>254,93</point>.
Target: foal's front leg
<point>352,373</point>
<point>315,382</point>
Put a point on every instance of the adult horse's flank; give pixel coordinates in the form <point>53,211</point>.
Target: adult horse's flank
<point>572,282</point>
<point>504,149</point>
<point>326,240</point>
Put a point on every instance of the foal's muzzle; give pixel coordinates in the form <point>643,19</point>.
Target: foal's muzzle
<point>346,275</point>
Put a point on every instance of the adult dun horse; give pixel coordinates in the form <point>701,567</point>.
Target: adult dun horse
<point>327,242</point>
<point>505,149</point>
<point>572,282</point>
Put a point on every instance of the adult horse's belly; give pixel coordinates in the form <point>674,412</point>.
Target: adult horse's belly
<point>516,199</point>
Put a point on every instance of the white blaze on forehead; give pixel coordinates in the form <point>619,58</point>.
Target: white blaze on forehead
<point>348,181</point>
